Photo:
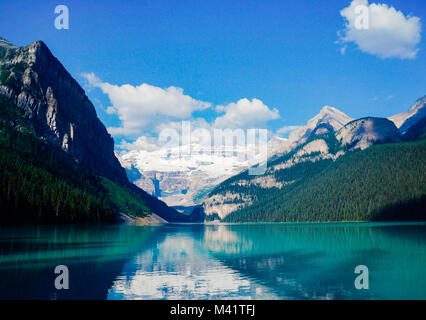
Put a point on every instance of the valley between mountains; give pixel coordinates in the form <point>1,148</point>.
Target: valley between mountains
<point>59,163</point>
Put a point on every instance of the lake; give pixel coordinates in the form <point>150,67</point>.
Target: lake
<point>238,261</point>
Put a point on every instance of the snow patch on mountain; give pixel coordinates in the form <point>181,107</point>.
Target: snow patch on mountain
<point>183,172</point>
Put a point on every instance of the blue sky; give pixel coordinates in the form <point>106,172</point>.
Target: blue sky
<point>283,53</point>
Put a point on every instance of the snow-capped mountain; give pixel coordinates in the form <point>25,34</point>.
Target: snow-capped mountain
<point>181,175</point>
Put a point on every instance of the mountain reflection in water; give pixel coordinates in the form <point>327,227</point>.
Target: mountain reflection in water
<point>245,261</point>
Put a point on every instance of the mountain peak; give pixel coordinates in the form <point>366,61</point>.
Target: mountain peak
<point>328,119</point>
<point>328,109</point>
<point>329,116</point>
<point>333,113</point>
<point>406,119</point>
<point>58,108</point>
<point>39,44</point>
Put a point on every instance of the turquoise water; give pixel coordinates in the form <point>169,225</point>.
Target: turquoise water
<point>247,261</point>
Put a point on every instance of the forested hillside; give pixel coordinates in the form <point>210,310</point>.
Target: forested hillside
<point>39,183</point>
<point>383,182</point>
<point>58,161</point>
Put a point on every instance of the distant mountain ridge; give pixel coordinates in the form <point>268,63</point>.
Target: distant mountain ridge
<point>314,148</point>
<point>185,183</point>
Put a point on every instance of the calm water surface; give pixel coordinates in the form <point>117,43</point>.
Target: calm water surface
<point>248,261</point>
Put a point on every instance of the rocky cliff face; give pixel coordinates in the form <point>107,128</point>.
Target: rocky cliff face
<point>362,133</point>
<point>57,106</point>
<point>412,117</point>
<point>329,119</point>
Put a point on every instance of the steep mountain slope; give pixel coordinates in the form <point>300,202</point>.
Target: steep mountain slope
<point>407,119</point>
<point>362,133</point>
<point>243,192</point>
<point>57,107</point>
<point>383,182</point>
<point>39,183</point>
<point>417,131</point>
<point>42,103</point>
<point>329,119</point>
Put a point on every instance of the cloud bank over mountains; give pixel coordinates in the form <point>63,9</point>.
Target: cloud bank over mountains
<point>386,32</point>
<point>139,106</point>
<point>145,110</point>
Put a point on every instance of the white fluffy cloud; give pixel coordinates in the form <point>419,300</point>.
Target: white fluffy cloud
<point>150,116</point>
<point>390,33</point>
<point>146,108</point>
<point>145,143</point>
<point>140,106</point>
<point>245,114</point>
